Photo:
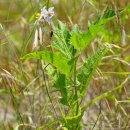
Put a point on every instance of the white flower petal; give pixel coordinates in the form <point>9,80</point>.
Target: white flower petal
<point>48,19</point>
<point>51,9</point>
<point>44,11</point>
<point>46,14</point>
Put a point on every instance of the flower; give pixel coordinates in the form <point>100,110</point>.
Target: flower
<point>47,14</point>
<point>39,19</point>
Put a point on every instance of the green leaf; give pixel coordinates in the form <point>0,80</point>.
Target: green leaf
<point>98,98</point>
<point>61,39</point>
<point>75,29</point>
<point>55,58</point>
<point>3,91</point>
<point>72,122</point>
<point>89,68</point>
<point>107,16</point>
<point>81,40</point>
<point>108,94</point>
<point>117,73</point>
<point>61,85</point>
<point>28,41</point>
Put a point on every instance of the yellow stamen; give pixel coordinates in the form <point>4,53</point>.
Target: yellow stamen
<point>37,15</point>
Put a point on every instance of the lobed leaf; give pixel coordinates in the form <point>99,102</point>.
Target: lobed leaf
<point>55,58</point>
<point>82,39</point>
<point>107,16</point>
<point>89,68</point>
<point>61,39</point>
<point>60,83</point>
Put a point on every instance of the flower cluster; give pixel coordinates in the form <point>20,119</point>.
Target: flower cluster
<point>46,15</point>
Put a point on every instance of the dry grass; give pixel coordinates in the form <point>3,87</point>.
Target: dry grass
<point>23,98</point>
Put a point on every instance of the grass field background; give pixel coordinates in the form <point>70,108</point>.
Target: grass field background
<point>23,98</point>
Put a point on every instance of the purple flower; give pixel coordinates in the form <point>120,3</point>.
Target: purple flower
<point>47,14</point>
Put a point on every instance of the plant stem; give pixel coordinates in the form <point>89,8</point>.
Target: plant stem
<point>44,77</point>
<point>47,4</point>
<point>76,94</point>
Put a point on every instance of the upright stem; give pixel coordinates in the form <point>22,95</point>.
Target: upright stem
<point>47,4</point>
<point>49,93</point>
<point>76,94</point>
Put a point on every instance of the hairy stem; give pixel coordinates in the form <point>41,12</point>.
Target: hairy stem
<point>76,94</point>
